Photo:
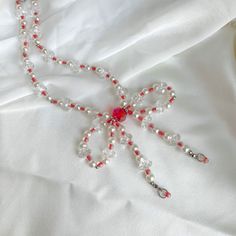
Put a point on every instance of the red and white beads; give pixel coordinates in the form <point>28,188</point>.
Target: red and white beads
<point>129,105</point>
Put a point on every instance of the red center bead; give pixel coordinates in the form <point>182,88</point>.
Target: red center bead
<point>119,114</point>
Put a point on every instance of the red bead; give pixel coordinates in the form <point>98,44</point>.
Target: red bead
<point>119,114</point>
<point>54,101</point>
<point>72,105</point>
<point>44,93</point>
<point>172,100</point>
<point>40,47</point>
<point>54,58</point>
<point>142,94</point>
<point>151,126</point>
<point>89,158</point>
<point>140,118</point>
<point>82,108</point>
<point>85,139</point>
<point>82,66</point>
<point>161,133</point>
<point>100,164</point>
<point>136,152</point>
<point>130,112</point>
<point>93,68</point>
<point>33,79</point>
<point>168,88</point>
<point>167,194</point>
<point>142,111</point>
<point>147,171</point>
<point>180,144</point>
<point>130,143</point>
<point>92,130</point>
<point>151,89</point>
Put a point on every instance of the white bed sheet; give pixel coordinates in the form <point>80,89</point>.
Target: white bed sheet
<point>46,191</point>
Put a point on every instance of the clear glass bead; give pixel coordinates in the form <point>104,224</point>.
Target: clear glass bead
<point>20,12</point>
<point>65,104</point>
<point>38,88</point>
<point>74,66</point>
<point>28,65</point>
<point>83,151</point>
<point>100,71</point>
<point>48,55</point>
<point>35,8</point>
<point>159,86</point>
<point>96,123</point>
<point>107,153</point>
<point>35,30</point>
<point>136,99</point>
<point>147,119</point>
<point>23,35</point>
<point>124,139</point>
<point>143,163</point>
<point>172,138</point>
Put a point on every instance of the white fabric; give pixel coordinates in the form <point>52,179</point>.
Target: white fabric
<point>44,188</point>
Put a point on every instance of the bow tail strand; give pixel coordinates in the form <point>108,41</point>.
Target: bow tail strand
<point>172,139</point>
<point>142,163</point>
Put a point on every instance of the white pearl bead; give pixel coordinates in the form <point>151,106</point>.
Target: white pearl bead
<point>112,78</point>
<point>83,145</point>
<point>100,70</point>
<point>92,164</point>
<point>163,91</point>
<point>87,67</point>
<point>112,129</point>
<point>49,98</point>
<point>186,149</point>
<point>111,140</point>
<point>124,103</point>
<point>150,178</point>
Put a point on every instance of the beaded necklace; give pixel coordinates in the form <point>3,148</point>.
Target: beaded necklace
<point>129,105</point>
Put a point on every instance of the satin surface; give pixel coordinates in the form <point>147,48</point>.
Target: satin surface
<point>46,190</point>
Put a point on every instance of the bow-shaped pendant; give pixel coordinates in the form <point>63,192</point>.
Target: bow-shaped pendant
<point>116,132</point>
